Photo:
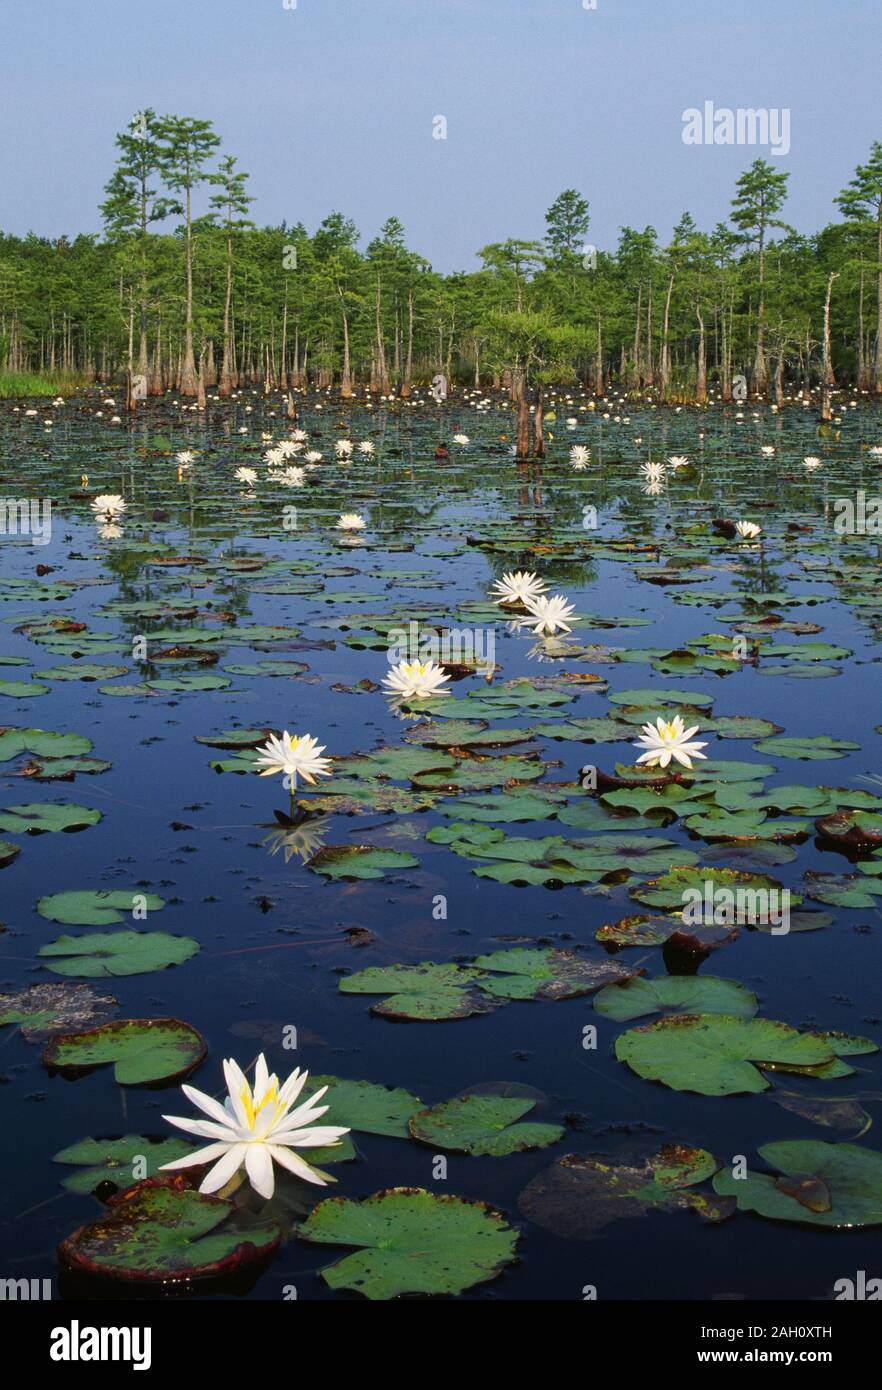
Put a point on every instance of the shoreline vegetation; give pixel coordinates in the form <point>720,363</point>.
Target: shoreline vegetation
<point>186,292</point>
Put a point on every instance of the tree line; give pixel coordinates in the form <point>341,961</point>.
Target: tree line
<point>184,289</point>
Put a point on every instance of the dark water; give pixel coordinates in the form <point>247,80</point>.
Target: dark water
<point>271,932</point>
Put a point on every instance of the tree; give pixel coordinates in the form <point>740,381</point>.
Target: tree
<point>185,146</point>
<point>231,203</point>
<point>861,201</point>
<point>132,205</point>
<point>567,220</point>
<point>760,193</point>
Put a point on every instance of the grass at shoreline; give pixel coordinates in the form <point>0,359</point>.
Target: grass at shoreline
<point>41,384</point>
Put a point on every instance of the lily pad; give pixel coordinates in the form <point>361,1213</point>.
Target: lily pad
<point>523,973</point>
<point>849,1176</point>
<point>411,1241</point>
<point>112,1160</point>
<point>482,1124</point>
<point>365,1106</point>
<point>162,1232</point>
<point>678,994</point>
<point>116,953</point>
<point>427,993</point>
<point>87,908</point>
<point>359,861</point>
<point>581,1194</point>
<point>716,1054</point>
<point>821,748</point>
<point>38,818</point>
<point>143,1050</point>
<point>42,1010</point>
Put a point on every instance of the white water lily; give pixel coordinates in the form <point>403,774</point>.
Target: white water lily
<point>297,755</point>
<point>256,1128</point>
<point>461,439</point>
<point>548,615</point>
<point>653,472</point>
<point>108,505</point>
<point>747,530</point>
<point>580,456</point>
<point>290,477</point>
<point>518,586</point>
<point>248,476</point>
<point>343,448</point>
<point>351,521</point>
<point>313,457</point>
<point>367,448</point>
<point>768,450</point>
<point>665,740</point>
<point>678,460</point>
<point>416,680</point>
<point>811,462</point>
<point>289,447</point>
<point>876,451</point>
<point>185,458</point>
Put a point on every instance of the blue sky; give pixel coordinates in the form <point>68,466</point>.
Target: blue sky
<point>330,106</point>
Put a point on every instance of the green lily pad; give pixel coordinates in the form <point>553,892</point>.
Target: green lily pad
<point>162,1232</point>
<point>41,743</point>
<point>40,817</point>
<point>678,994</point>
<point>112,1160</point>
<point>427,993</point>
<point>365,1106</point>
<point>411,1241</point>
<point>502,809</point>
<point>716,1054</point>
<point>660,698</point>
<point>101,954</point>
<point>482,1124</point>
<point>82,671</point>
<point>142,1050</point>
<point>87,908</point>
<point>359,861</point>
<point>849,1177</point>
<point>818,749</point>
<point>523,973</point>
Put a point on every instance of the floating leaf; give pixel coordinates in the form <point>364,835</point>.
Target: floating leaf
<point>359,861</point>
<point>581,1194</point>
<point>817,749</point>
<point>117,953</point>
<point>424,993</point>
<point>112,1160</point>
<point>365,1106</point>
<point>87,908</point>
<point>482,1124</point>
<point>851,1176</point>
<point>411,1241</point>
<point>680,994</point>
<point>42,1010</point>
<point>143,1050</point>
<point>37,819</point>
<point>162,1232</point>
<point>544,974</point>
<point>717,1055</point>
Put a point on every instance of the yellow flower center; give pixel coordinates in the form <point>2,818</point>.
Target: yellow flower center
<point>253,1107</point>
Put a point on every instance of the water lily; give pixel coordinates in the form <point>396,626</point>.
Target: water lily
<point>665,740</point>
<point>548,615</point>
<point>518,586</point>
<point>256,1128</point>
<point>367,448</point>
<point>768,450</point>
<point>343,448</point>
<point>108,505</point>
<point>811,462</point>
<point>747,530</point>
<point>185,458</point>
<point>313,457</point>
<point>290,477</point>
<point>416,680</point>
<point>461,439</point>
<point>580,456</point>
<point>678,460</point>
<point>248,476</point>
<point>653,472</point>
<point>295,756</point>
<point>351,521</point>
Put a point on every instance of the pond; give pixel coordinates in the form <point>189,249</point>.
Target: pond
<point>491,818</point>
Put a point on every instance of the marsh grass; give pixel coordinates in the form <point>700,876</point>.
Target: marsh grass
<point>41,384</point>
